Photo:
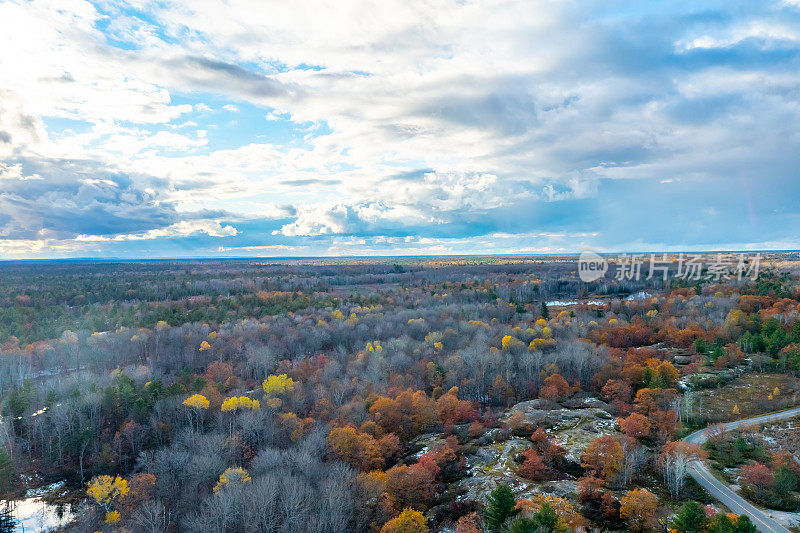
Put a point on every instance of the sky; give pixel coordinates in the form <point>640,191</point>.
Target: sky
<point>230,128</point>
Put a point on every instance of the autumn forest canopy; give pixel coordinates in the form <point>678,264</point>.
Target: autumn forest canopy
<point>325,267</point>
<point>460,394</point>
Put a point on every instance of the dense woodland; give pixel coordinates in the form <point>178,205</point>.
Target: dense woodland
<point>304,395</point>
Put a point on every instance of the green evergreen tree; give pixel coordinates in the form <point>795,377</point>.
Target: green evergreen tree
<point>524,525</point>
<point>744,525</point>
<point>690,517</point>
<point>501,506</point>
<point>7,474</point>
<point>545,518</point>
<point>785,482</point>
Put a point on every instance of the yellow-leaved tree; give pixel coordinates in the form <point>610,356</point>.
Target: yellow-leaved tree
<point>408,521</point>
<point>240,402</point>
<point>236,403</point>
<point>198,401</point>
<point>509,343</point>
<point>232,476</point>
<point>278,385</point>
<point>198,404</point>
<point>105,490</point>
<point>231,404</point>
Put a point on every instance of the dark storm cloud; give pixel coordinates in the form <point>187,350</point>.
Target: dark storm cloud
<point>68,198</point>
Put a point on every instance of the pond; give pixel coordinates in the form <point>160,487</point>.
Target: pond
<point>33,515</point>
<point>641,295</point>
<point>560,303</point>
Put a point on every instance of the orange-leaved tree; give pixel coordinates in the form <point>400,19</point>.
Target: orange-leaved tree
<point>638,507</point>
<point>603,457</point>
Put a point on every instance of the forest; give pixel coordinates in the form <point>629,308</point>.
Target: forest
<point>458,394</point>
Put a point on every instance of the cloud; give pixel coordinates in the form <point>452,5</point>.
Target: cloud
<point>310,181</point>
<point>183,228</point>
<point>76,197</point>
<point>557,125</point>
<point>431,201</point>
<point>202,73</point>
<point>249,250</point>
<point>447,205</point>
<point>90,203</point>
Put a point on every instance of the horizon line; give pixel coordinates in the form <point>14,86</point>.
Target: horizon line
<point>112,259</point>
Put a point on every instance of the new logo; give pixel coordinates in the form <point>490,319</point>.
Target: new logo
<point>591,266</point>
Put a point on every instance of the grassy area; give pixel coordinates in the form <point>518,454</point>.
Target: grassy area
<point>748,395</point>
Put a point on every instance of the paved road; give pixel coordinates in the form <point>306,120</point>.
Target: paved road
<point>721,491</point>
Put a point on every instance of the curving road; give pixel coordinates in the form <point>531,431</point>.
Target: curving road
<point>720,490</point>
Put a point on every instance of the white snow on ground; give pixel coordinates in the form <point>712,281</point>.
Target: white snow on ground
<point>32,493</point>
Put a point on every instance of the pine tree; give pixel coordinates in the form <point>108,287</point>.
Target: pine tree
<point>500,507</point>
<point>7,474</point>
<point>690,517</point>
<point>7,522</point>
<point>545,519</point>
<point>744,525</point>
